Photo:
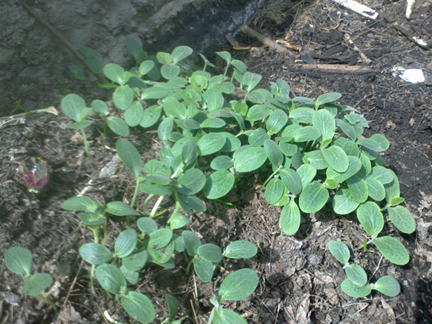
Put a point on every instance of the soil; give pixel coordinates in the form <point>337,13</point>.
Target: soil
<point>299,279</point>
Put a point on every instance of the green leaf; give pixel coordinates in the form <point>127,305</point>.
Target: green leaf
<point>221,162</point>
<point>190,202</point>
<point>290,218</point>
<point>370,144</point>
<point>134,114</point>
<point>173,108</point>
<point>238,285</point>
<point>274,153</point>
<point>136,261</point>
<point>92,219</point>
<point>161,255</point>
<point>388,286</point>
<point>180,53</point>
<point>170,72</point>
<point>302,115</point>
<point>336,158</point>
<point>156,189</point>
<point>258,137</point>
<point>131,276</point>
<point>344,202</point>
<point>191,242</point>
<point>129,155</point>
<point>119,208</point>
<point>250,81</point>
<point>250,159</point>
<point>191,182</point>
<point>165,129</point>
<point>381,174</point>
<point>204,269</point>
<point>173,304</point>
<point>316,159</point>
<point>326,98</point>
<point>37,283</point>
<point>324,121</point>
<point>146,66</point>
<point>274,191</point>
<point>392,250</point>
<point>240,250</point>
<point>355,291</point>
<point>306,134</point>
<point>340,251</point>
<point>210,252</point>
<point>227,316</point>
<point>307,173</point>
<point>115,73</point>
<point>80,125</point>
<point>189,153</point>
<point>139,307</point>
<point>356,274</point>
<point>125,243</point>
<point>371,218</point>
<point>257,112</point>
<point>225,55</point>
<point>95,253</point>
<point>206,61</point>
<point>215,102</point>
<point>218,184</point>
<point>358,188</point>
<point>392,189</point>
<point>19,260</point>
<point>99,107</point>
<point>291,180</point>
<point>232,143</point>
<point>402,219</point>
<point>160,238</point>
<point>154,93</point>
<point>396,201</point>
<point>276,121</point>
<point>375,189</point>
<point>213,123</point>
<point>381,140</point>
<point>354,166</point>
<point>313,197</point>
<point>147,225</point>
<point>81,203</point>
<point>118,126</point>
<point>351,148</point>
<point>211,143</point>
<point>288,149</point>
<point>73,105</point>
<point>177,221</point>
<point>123,97</point>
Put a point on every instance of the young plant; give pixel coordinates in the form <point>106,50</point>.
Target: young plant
<point>357,285</point>
<point>236,286</point>
<point>19,260</point>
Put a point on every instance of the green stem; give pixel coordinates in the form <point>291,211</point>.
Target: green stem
<point>144,207</point>
<point>135,195</point>
<point>270,177</point>
<point>105,233</point>
<point>86,147</point>
<point>49,302</point>
<point>188,266</point>
<point>93,267</point>
<point>156,206</point>
<point>95,234</point>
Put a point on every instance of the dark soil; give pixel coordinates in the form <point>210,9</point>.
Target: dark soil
<point>299,279</point>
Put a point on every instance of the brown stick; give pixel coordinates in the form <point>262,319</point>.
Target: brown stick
<point>336,68</point>
<point>265,40</point>
<point>78,55</point>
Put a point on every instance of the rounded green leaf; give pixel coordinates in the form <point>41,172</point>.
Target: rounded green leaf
<point>358,189</point>
<point>344,202</point>
<point>388,286</point>
<point>191,242</point>
<point>257,112</point>
<point>191,182</point>
<point>118,126</point>
<point>250,159</point>
<point>274,191</point>
<point>123,97</point>
<point>307,173</point>
<point>355,291</point>
<point>288,149</point>
<point>72,105</point>
<point>154,92</point>
<point>147,225</point>
<point>258,137</point>
<point>291,180</point>
<point>95,253</point>
<point>221,162</point>
<point>210,252</point>
<point>340,251</point>
<point>336,158</point>
<point>356,274</point>
<point>146,67</point>
<point>218,184</point>
<point>125,243</point>
<point>227,316</point>
<point>110,278</point>
<point>131,276</point>
<point>238,285</point>
<point>392,189</point>
<point>37,283</point>
<point>161,255</point>
<point>276,121</point>
<point>232,143</point>
<point>290,218</point>
<point>92,219</point>
<point>351,148</point>
<point>316,159</point>
<point>81,203</point>
<point>353,167</point>
<point>139,307</point>
<point>240,250</point>
<point>370,145</point>
<point>327,97</point>
<point>203,268</point>
<point>115,73</point>
<point>165,129</point>
<point>302,115</point>
<point>173,304</point>
<point>381,140</point>
<point>324,121</point>
<point>190,202</point>
<point>129,155</point>
<point>180,53</point>
<point>170,72</point>
<point>392,250</point>
<point>313,197</point>
<point>134,114</point>
<point>80,125</point>
<point>177,221</point>
<point>250,81</point>
<point>381,174</point>
<point>306,134</point>
<point>211,143</point>
<point>402,219</point>
<point>136,261</point>
<point>19,260</point>
<point>371,218</point>
<point>213,123</point>
<point>119,208</point>
<point>160,238</point>
<point>375,189</point>
<point>274,153</point>
<point>174,108</point>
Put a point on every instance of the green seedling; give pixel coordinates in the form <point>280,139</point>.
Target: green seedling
<point>236,286</point>
<point>172,303</point>
<point>357,285</point>
<point>19,261</point>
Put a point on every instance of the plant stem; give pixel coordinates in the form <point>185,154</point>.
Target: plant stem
<point>86,147</point>
<point>270,177</point>
<point>105,233</point>
<point>144,207</point>
<point>96,234</point>
<point>188,266</point>
<point>156,206</point>
<point>93,267</point>
<point>49,302</point>
<point>135,195</point>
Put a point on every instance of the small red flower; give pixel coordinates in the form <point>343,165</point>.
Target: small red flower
<point>37,177</point>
